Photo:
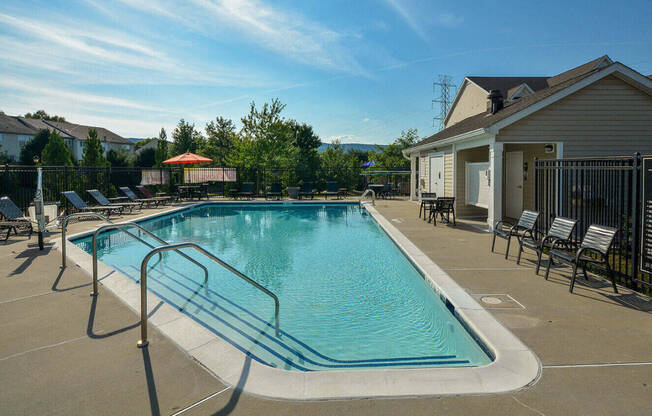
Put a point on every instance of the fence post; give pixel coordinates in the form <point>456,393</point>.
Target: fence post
<point>536,187</point>
<point>636,232</point>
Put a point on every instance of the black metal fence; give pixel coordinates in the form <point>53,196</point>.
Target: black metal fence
<point>604,191</point>
<point>19,182</point>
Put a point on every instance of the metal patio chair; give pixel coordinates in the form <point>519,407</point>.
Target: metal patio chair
<point>275,191</point>
<point>164,199</point>
<point>104,201</point>
<point>445,207</point>
<point>559,234</point>
<point>525,225</point>
<point>332,189</point>
<point>426,205</point>
<point>132,197</point>
<point>13,219</point>
<point>80,205</point>
<point>306,190</point>
<point>597,241</point>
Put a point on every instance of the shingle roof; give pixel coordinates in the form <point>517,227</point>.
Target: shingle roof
<point>504,84</point>
<point>486,119</point>
<point>39,124</point>
<point>9,124</point>
<point>81,132</point>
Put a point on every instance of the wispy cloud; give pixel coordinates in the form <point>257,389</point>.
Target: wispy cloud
<point>408,18</point>
<point>281,31</point>
<point>449,20</point>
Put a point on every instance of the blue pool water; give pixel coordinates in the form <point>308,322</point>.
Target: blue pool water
<point>349,297</point>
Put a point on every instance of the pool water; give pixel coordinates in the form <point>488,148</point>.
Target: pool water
<point>349,298</point>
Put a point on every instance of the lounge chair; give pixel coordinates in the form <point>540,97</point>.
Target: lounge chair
<point>274,191</point>
<point>387,192</point>
<point>525,225</point>
<point>13,218</point>
<point>80,205</point>
<point>246,191</point>
<point>597,240</point>
<point>306,190</point>
<point>104,201</point>
<point>559,234</point>
<point>332,189</point>
<point>163,198</point>
<point>132,197</point>
<point>425,204</point>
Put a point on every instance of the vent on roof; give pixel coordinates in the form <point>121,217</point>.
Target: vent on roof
<point>495,101</point>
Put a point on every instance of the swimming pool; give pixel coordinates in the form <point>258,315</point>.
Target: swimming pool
<point>349,297</point>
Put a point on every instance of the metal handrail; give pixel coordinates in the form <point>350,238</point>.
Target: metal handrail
<point>373,196</point>
<point>64,226</point>
<point>122,226</point>
<point>143,284</point>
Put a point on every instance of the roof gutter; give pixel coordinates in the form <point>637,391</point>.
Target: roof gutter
<point>450,140</point>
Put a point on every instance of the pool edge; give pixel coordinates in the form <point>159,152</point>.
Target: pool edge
<point>514,366</point>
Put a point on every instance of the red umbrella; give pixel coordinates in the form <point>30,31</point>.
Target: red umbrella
<point>187,158</point>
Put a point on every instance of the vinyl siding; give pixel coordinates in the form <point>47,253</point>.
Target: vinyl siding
<point>607,118</point>
<point>530,151</point>
<point>448,173</point>
<point>472,101</point>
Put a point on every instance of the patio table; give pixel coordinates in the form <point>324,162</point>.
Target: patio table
<point>377,188</point>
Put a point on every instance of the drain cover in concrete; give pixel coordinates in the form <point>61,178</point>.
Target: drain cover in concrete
<point>497,301</point>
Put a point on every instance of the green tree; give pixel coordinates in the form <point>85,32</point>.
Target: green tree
<point>161,153</point>
<point>143,142</point>
<point>391,157</point>
<point>185,138</point>
<point>56,153</point>
<point>93,154</point>
<point>338,165</point>
<point>145,158</point>
<point>42,115</point>
<point>34,147</point>
<point>220,141</point>
<point>118,158</point>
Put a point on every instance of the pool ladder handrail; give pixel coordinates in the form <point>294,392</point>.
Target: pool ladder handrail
<point>121,226</point>
<point>143,284</point>
<point>373,197</point>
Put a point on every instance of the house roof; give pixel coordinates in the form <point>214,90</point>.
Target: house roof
<point>38,124</point>
<point>486,119</point>
<point>505,84</point>
<point>12,125</point>
<point>81,132</point>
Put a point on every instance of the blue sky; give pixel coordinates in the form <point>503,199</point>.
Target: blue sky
<point>357,70</point>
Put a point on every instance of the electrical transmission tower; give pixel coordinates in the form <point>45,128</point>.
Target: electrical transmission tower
<point>446,89</point>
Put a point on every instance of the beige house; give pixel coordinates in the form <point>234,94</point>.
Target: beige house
<point>497,126</point>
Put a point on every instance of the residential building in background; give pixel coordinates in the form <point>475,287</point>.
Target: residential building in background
<point>15,131</point>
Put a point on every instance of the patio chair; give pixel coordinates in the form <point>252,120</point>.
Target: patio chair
<point>445,207</point>
<point>426,205</point>
<point>12,218</point>
<point>246,191</point>
<point>275,191</point>
<point>597,241</point>
<point>132,197</point>
<point>559,234</point>
<point>332,189</point>
<point>104,201</point>
<point>163,198</point>
<point>306,190</point>
<point>80,205</point>
<point>386,192</point>
<point>525,225</point>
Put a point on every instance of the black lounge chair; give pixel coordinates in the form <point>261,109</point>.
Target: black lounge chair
<point>559,234</point>
<point>12,218</point>
<point>445,207</point>
<point>132,197</point>
<point>597,241</point>
<point>164,199</point>
<point>426,205</point>
<point>104,201</point>
<point>525,225</point>
<point>306,190</point>
<point>332,189</point>
<point>275,191</point>
<point>246,191</point>
<point>80,205</point>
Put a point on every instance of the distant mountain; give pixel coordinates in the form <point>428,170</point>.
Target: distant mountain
<point>354,146</point>
<point>135,140</point>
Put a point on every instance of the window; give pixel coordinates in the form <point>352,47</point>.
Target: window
<point>2,138</point>
<point>22,140</point>
<point>126,147</point>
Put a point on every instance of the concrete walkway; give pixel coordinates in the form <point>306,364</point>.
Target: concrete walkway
<point>63,352</point>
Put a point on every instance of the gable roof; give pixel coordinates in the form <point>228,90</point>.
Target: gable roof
<point>12,125</point>
<point>504,84</point>
<point>81,132</point>
<point>486,119</point>
<point>579,70</point>
<point>38,124</point>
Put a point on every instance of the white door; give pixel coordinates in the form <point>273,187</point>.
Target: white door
<point>513,184</point>
<point>437,175</point>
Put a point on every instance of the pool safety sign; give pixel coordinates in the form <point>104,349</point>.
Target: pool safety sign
<point>646,221</point>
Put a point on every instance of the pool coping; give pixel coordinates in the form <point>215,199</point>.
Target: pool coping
<point>514,366</point>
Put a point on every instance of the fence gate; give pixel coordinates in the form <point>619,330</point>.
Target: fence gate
<point>604,191</point>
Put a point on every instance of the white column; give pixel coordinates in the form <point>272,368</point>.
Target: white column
<point>496,176</point>
<point>413,177</point>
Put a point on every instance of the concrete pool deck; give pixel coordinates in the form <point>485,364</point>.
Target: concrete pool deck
<point>65,353</point>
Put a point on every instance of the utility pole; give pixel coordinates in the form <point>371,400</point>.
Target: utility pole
<point>446,89</point>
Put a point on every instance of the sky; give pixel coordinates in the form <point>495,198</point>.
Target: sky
<point>359,71</point>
